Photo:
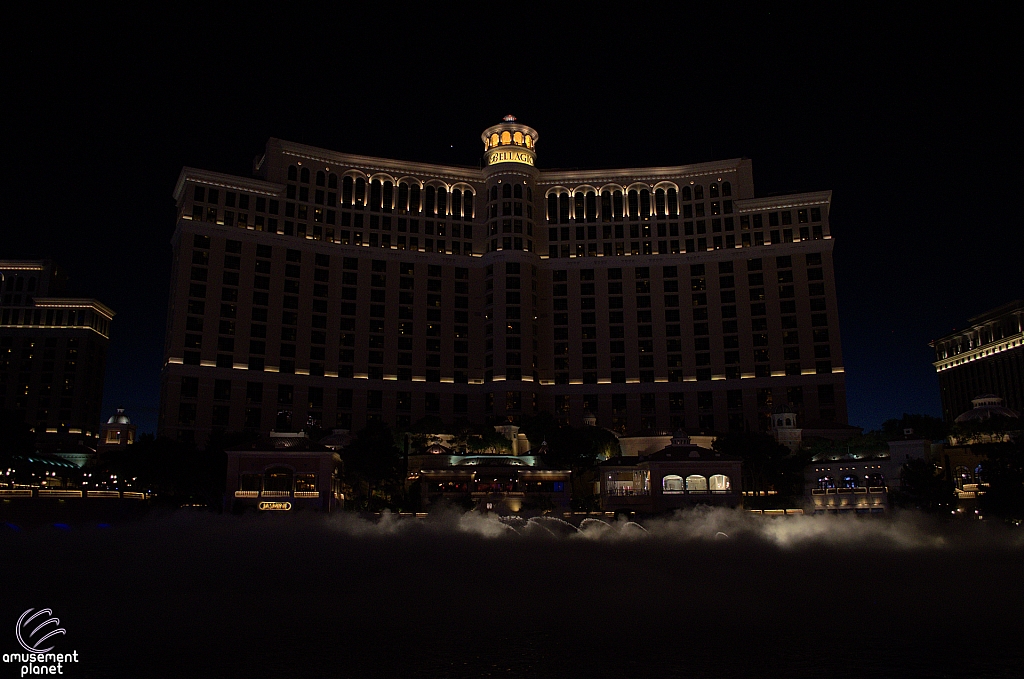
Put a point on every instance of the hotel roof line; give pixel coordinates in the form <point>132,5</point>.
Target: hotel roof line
<point>74,303</point>
<point>633,174</point>
<point>349,160</point>
<point>789,200</point>
<point>224,180</point>
<point>547,177</point>
<point>466,173</point>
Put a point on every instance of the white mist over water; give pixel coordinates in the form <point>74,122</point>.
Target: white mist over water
<point>904,531</point>
<point>468,594</point>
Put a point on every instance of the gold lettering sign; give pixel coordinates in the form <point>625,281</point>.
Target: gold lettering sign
<point>510,155</point>
<point>275,506</point>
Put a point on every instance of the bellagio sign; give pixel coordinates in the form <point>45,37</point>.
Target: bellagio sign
<point>510,155</point>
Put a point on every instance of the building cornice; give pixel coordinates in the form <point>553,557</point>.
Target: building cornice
<point>22,265</point>
<point>370,165</point>
<point>74,303</point>
<point>226,181</point>
<point>783,202</point>
<point>991,349</point>
<point>633,174</point>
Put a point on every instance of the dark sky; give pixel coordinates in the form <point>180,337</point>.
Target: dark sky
<point>908,119</point>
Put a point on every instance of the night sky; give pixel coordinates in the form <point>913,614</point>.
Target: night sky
<point>909,120</point>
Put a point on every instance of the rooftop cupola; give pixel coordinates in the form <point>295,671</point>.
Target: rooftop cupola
<point>509,142</point>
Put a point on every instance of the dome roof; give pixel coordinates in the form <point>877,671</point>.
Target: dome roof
<point>119,418</point>
<point>985,407</point>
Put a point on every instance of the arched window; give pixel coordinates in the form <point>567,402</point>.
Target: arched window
<point>579,206</point>
<point>591,206</point>
<point>617,205</point>
<point>517,191</point>
<point>563,208</point>
<point>606,206</point>
<point>494,192</point>
<point>506,191</point>
<point>456,203</point>
<point>874,480</point>
<point>634,204</point>
<point>713,189</point>
<point>387,196</point>
<point>251,482</point>
<point>659,202</point>
<point>494,139</point>
<point>850,481</point>
<point>518,138</point>
<point>672,484</point>
<point>506,138</point>
<point>442,201</point>
<point>698,192</point>
<point>375,194</point>
<point>360,191</point>
<point>552,208</point>
<point>645,203</point>
<point>719,483</point>
<point>726,189</point>
<point>304,175</point>
<point>826,482</point>
<point>277,478</point>
<point>695,483</point>
<point>687,193</point>
<point>321,178</point>
<point>403,196</point>
<point>673,203</point>
<point>428,200</point>
<point>414,198</point>
<point>529,194</point>
<point>346,191</point>
<point>332,181</point>
<point>293,173</point>
<point>467,204</point>
<point>305,482</point>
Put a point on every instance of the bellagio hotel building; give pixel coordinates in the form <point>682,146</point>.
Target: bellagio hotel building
<point>331,290</point>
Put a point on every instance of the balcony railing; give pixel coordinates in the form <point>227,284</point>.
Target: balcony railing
<point>696,492</point>
<point>871,490</point>
<point>625,492</point>
<point>278,493</point>
<point>71,493</point>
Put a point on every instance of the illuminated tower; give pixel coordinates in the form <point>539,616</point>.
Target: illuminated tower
<point>510,312</point>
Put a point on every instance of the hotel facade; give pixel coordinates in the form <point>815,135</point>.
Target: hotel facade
<point>985,358</point>
<point>332,290</point>
<point>53,351</point>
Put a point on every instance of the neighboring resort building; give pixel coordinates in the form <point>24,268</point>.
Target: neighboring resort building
<point>332,290</point>
<point>962,460</point>
<point>283,472</point>
<point>117,434</point>
<point>52,353</point>
<point>678,476</point>
<point>862,482</point>
<point>507,484</point>
<point>987,357</point>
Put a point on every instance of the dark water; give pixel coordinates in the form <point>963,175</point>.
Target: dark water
<point>210,596</point>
